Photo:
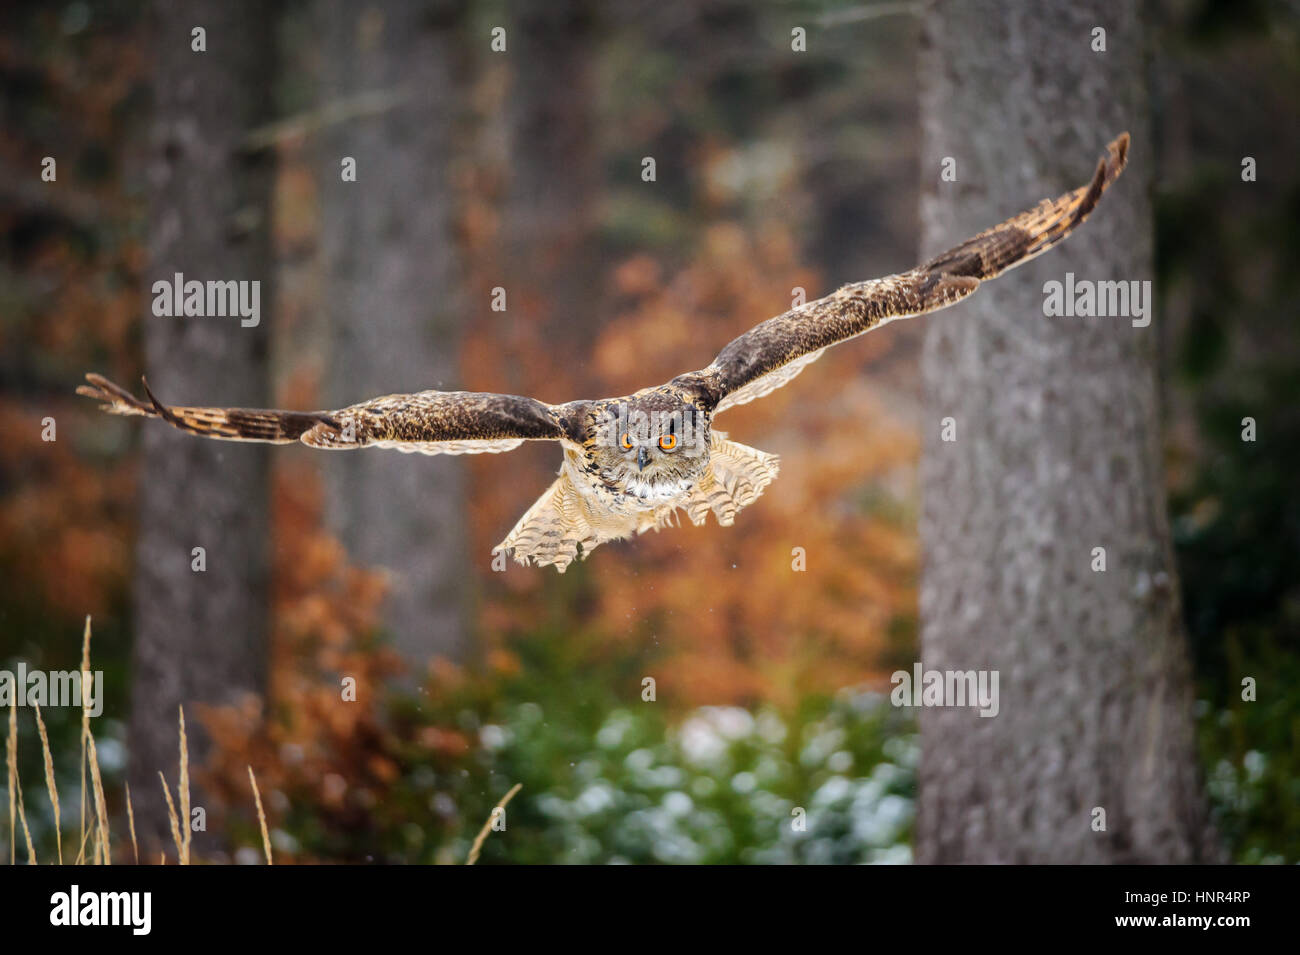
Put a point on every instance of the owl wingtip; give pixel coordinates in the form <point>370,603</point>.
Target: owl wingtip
<point>1116,158</point>
<point>157,405</point>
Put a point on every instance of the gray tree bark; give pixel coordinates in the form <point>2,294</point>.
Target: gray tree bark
<point>551,207</point>
<point>1057,452</point>
<point>392,292</point>
<point>201,636</point>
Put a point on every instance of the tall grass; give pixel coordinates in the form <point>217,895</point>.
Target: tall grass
<point>95,837</point>
<point>93,802</point>
<point>477,847</point>
<point>50,785</point>
<point>261,816</point>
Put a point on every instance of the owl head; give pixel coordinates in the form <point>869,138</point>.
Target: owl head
<point>651,446</point>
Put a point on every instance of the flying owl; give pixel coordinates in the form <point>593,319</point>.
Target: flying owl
<point>631,463</point>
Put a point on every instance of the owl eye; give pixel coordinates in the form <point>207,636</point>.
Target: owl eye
<point>626,441</point>
<point>668,441</point>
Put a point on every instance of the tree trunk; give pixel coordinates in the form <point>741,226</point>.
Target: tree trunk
<point>201,635</point>
<point>551,208</point>
<point>1057,452</point>
<point>392,291</point>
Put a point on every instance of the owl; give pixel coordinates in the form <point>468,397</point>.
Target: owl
<point>632,463</point>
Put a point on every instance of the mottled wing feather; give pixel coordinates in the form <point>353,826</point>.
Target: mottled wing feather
<point>737,476</point>
<point>428,422</point>
<point>775,351</point>
<point>765,384</point>
<point>556,530</point>
<point>441,422</point>
<point>449,447</point>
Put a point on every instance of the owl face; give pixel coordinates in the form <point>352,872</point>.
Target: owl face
<point>649,449</point>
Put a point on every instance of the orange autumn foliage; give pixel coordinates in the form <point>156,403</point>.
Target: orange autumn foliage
<point>63,526</point>
<point>324,616</point>
<point>845,494</point>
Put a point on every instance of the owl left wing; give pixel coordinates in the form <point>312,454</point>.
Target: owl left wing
<point>772,353</point>
<point>427,422</point>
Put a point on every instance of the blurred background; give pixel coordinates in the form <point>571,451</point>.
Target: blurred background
<point>480,169</point>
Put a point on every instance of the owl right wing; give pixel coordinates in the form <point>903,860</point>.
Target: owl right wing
<point>775,351</point>
<point>427,422</point>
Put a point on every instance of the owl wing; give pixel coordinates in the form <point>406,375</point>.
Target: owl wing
<point>428,422</point>
<point>772,353</point>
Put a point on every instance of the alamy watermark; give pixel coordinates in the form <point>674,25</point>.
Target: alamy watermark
<point>176,298</point>
<point>1086,298</point>
<point>924,687</point>
<point>50,688</point>
<point>133,910</point>
<point>622,426</point>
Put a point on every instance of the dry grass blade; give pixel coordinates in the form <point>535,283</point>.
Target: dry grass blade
<point>171,813</point>
<point>477,847</point>
<point>101,808</point>
<point>261,817</point>
<point>50,783</point>
<point>85,731</point>
<point>16,791</point>
<point>27,833</point>
<point>81,856</point>
<point>183,785</point>
<point>130,819</point>
<point>11,763</point>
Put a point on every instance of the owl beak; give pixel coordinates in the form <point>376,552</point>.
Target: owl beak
<point>642,458</point>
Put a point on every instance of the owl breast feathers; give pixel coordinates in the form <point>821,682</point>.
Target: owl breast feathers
<point>631,463</point>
